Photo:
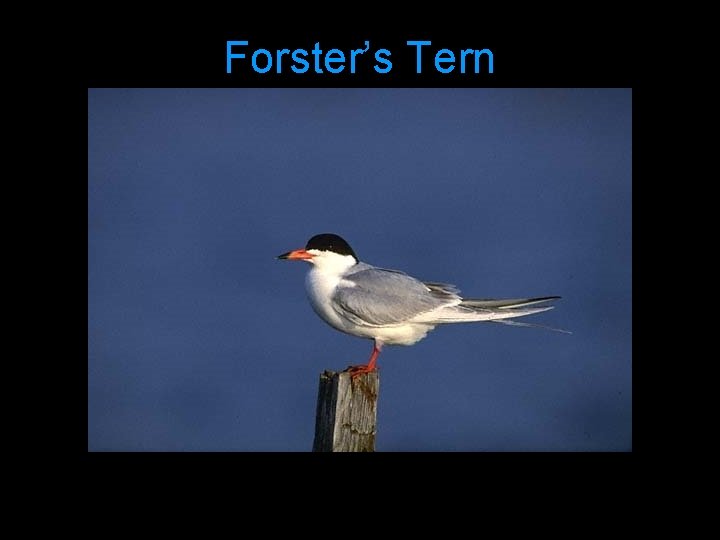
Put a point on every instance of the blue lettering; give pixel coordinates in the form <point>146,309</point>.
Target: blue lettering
<point>279,56</point>
<point>230,55</point>
<point>418,44</point>
<point>463,54</point>
<point>295,56</point>
<point>328,60</point>
<point>354,53</point>
<point>489,54</point>
<point>269,60</point>
<point>477,54</point>
<point>317,51</point>
<point>439,58</point>
<point>383,60</point>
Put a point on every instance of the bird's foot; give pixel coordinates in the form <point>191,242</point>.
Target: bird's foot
<point>356,371</point>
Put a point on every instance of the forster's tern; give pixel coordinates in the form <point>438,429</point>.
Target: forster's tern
<point>389,306</point>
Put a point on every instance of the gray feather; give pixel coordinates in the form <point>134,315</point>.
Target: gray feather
<point>381,297</point>
<point>442,289</point>
<point>492,310</point>
<point>530,325</point>
<point>508,303</point>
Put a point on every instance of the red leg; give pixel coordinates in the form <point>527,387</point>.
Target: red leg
<point>355,371</point>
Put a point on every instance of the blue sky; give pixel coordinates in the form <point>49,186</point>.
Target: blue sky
<point>199,339</point>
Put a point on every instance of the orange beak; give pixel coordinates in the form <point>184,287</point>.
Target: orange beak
<point>298,254</point>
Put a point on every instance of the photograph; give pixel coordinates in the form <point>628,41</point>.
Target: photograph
<point>409,269</point>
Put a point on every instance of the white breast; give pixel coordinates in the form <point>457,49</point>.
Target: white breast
<point>320,287</point>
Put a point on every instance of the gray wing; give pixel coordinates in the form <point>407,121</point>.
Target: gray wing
<point>381,297</point>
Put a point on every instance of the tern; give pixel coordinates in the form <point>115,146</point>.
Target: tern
<point>389,306</point>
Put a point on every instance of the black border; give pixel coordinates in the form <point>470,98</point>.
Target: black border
<point>170,57</point>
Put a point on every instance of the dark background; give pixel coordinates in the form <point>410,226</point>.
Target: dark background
<point>167,57</point>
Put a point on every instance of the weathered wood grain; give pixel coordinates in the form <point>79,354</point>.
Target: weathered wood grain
<point>346,417</point>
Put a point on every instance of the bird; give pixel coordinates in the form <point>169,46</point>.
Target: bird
<point>388,306</point>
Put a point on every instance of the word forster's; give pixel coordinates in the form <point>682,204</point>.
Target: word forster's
<point>240,55</point>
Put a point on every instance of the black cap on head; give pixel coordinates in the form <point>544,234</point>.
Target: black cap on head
<point>330,242</point>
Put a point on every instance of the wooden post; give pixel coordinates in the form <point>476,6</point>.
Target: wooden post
<point>346,415</point>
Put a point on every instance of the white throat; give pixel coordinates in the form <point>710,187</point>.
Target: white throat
<point>330,263</point>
